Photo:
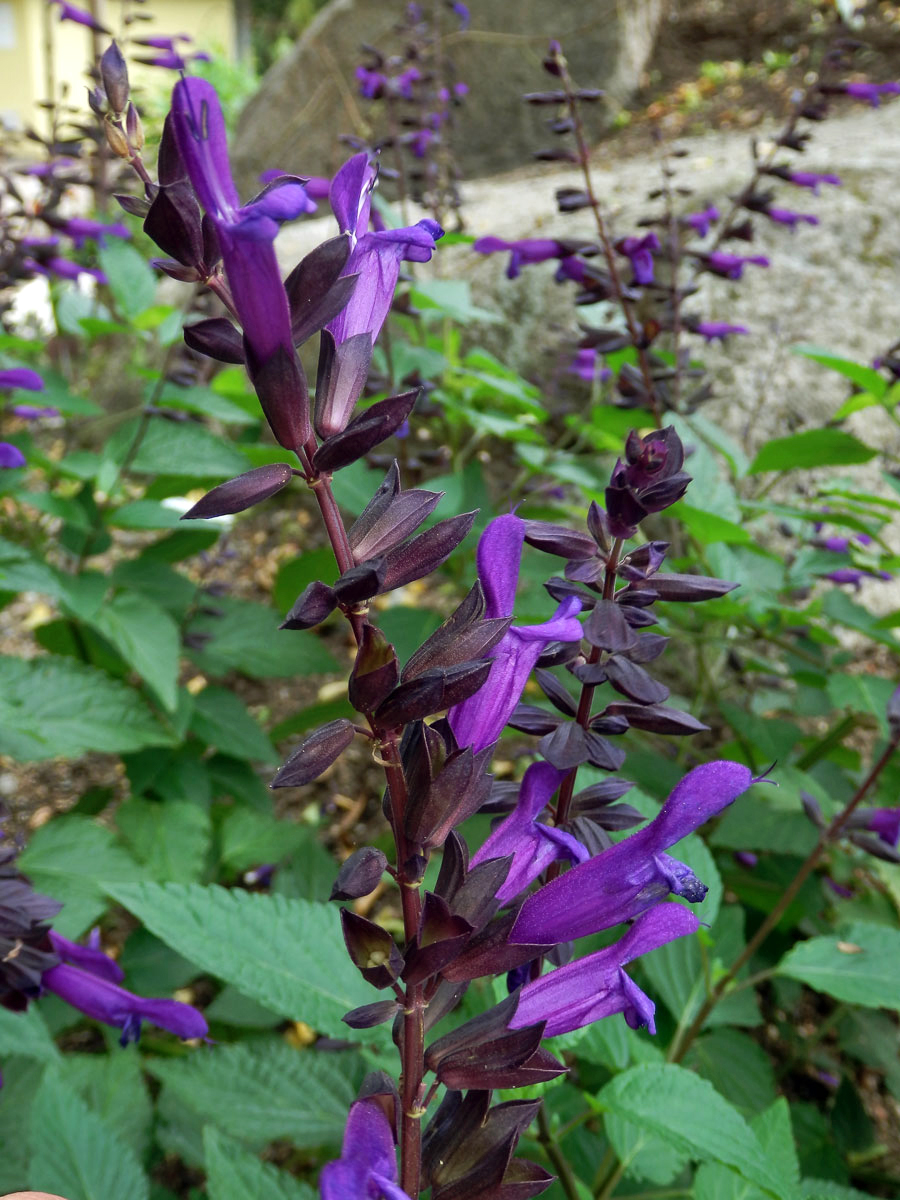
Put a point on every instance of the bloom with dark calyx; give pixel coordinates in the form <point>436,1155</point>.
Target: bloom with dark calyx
<point>26,951</point>
<point>598,986</point>
<point>245,237</point>
<point>700,222</point>
<point>639,252</point>
<point>712,330</point>
<point>649,480</point>
<point>783,216</point>
<point>80,16</point>
<point>367,1168</point>
<point>80,229</point>
<point>533,846</point>
<point>526,251</point>
<point>883,824</point>
<point>636,873</point>
<point>480,720</point>
<point>805,179</point>
<point>729,266</point>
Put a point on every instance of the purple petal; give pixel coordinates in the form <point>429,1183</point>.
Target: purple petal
<point>368,1164</point>
<point>498,559</point>
<point>350,195</point>
<point>11,456</point>
<point>89,958</point>
<point>21,377</point>
<point>199,128</point>
<point>885,822</point>
<point>104,1001</point>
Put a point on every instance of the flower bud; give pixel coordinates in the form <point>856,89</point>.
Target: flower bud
<point>114,75</point>
<point>116,139</point>
<point>134,128</point>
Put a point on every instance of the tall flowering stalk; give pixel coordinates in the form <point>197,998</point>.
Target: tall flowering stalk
<point>507,908</point>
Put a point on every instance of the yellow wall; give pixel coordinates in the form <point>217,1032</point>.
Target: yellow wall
<point>24,73</point>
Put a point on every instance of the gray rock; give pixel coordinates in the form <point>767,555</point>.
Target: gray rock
<point>309,98</point>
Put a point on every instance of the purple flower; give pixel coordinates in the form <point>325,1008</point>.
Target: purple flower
<point>588,364</point>
<point>812,179</point>
<point>69,12</point>
<point>523,252</point>
<point>79,229</point>
<point>367,1168</point>
<point>633,875</point>
<point>884,823</point>
<point>731,266</point>
<point>420,141</point>
<point>784,216</point>
<point>105,1001</point>
<point>64,268</point>
<point>246,235</point>
<point>717,329</point>
<point>597,986</point>
<point>10,456</point>
<point>403,83</point>
<point>701,221</point>
<point>533,846</point>
<point>375,257</point>
<point>479,721</point>
<point>371,83</point>
<point>870,92</point>
<point>21,377</point>
<point>90,957</point>
<point>462,11</point>
<point>163,43</point>
<point>32,412</point>
<point>639,252</point>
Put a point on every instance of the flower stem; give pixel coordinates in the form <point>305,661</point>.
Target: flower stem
<point>682,1044</point>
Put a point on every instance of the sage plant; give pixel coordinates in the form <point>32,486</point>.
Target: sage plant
<point>433,722</point>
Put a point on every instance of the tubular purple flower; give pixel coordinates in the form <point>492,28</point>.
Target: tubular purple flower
<point>870,92</point>
<point>479,721</point>
<point>523,252</point>
<point>89,958</point>
<point>80,229</point>
<point>717,329</point>
<point>368,1164</point>
<point>632,876</point>
<point>884,823</point>
<point>588,365</point>
<point>639,252</point>
<point>10,457</point>
<point>104,1001</point>
<point>784,216</point>
<point>246,236</point>
<point>700,222</point>
<point>731,266</point>
<point>69,12</point>
<point>21,377</point>
<point>812,179</point>
<point>597,986</point>
<point>533,846</point>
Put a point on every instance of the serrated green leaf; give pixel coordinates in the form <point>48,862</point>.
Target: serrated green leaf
<point>26,1034</point>
<point>66,858</point>
<point>287,954</point>
<point>296,573</point>
<point>147,639</point>
<point>260,1091</point>
<point>222,720</point>
<point>246,637</point>
<point>233,1173</point>
<point>827,1189</point>
<point>689,1114</point>
<point>74,1153</point>
<point>112,1085</point>
<point>53,707</point>
<point>812,448</point>
<point>250,838</point>
<point>21,571</point>
<point>737,1067</point>
<point>862,966</point>
<point>21,1079</point>
<point>178,448</point>
<point>231,1007</point>
<point>170,838</point>
<point>131,280</point>
<point>150,514</point>
<point>642,1154</point>
<point>708,527</point>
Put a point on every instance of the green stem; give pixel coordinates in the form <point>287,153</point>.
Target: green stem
<point>556,1156</point>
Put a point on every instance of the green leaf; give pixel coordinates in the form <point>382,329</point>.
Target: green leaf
<point>864,377</point>
<point>21,1079</point>
<point>205,401</point>
<point>221,719</point>
<point>26,1034</point>
<point>642,1153</point>
<point>57,394</point>
<point>287,954</point>
<point>150,514</point>
<point>170,838</point>
<point>263,1090</point>
<point>179,448</point>
<point>232,1007</point>
<point>233,1173</point>
<point>246,638</point>
<point>146,637</point>
<point>75,1154</point>
<point>296,573</point>
<point>812,448</point>
<point>862,966</point>
<point>689,1114</point>
<point>827,1189</point>
<point>21,571</point>
<point>452,298</point>
<point>709,527</point>
<point>250,838</point>
<point>407,628</point>
<point>737,1067</point>
<point>131,280</point>
<point>113,1087</point>
<point>53,707</point>
<point>66,858</point>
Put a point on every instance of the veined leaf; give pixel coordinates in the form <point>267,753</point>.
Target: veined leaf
<point>861,966</point>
